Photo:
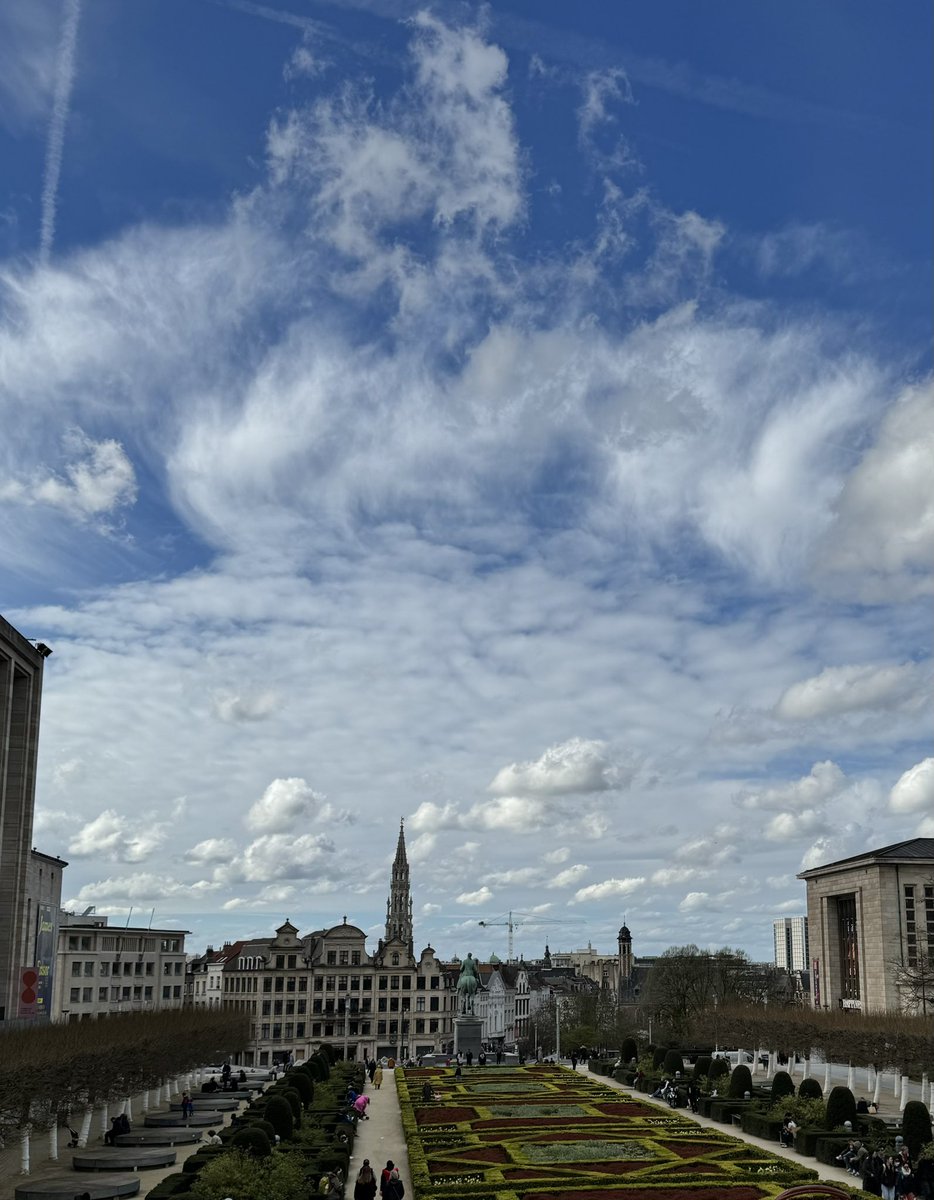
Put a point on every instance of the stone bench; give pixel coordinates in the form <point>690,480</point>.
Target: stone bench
<point>66,1187</point>
<point>213,1101</point>
<point>123,1158</point>
<point>177,1135</point>
<point>203,1118</point>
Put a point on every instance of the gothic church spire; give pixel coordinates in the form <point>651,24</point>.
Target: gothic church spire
<point>399,904</point>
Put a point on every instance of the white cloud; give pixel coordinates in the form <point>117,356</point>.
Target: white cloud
<point>284,804</point>
<point>562,854</point>
<point>800,823</point>
<point>695,902</point>
<point>848,689</point>
<point>429,909</point>
<point>569,876</point>
<point>97,480</point>
<point>825,781</point>
<point>609,887</point>
<point>111,836</point>
<point>279,856</point>
<point>141,886</point>
<point>474,899</point>
<point>235,707</point>
<point>914,791</point>
<point>578,765</point>
<point>882,541</point>
<point>666,876</point>
<point>516,813</point>
<point>211,851</point>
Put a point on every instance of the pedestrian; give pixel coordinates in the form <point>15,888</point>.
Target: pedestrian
<point>188,1106</point>
<point>371,1068</point>
<point>395,1188</point>
<point>384,1176</point>
<point>225,1071</point>
<point>888,1178</point>
<point>378,1077</point>
<point>481,1059</point>
<point>573,1062</point>
<point>360,1107</point>
<point>499,1056</point>
<point>365,1186</point>
<point>469,1058</point>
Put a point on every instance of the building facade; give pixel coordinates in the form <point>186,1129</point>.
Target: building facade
<point>102,970</point>
<point>21,666</point>
<point>871,928</point>
<point>790,937</point>
<point>325,987</point>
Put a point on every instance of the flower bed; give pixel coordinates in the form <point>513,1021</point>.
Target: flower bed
<point>541,1133</point>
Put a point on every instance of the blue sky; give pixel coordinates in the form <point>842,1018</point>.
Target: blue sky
<point>514,419</point>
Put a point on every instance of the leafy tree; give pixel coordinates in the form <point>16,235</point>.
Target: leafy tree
<point>277,1177</point>
<point>915,982</point>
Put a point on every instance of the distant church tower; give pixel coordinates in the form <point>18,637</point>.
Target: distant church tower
<point>399,904</point>
<point>625,962</point>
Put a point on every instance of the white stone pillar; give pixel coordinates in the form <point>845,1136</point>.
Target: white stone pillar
<point>924,1086</point>
<point>85,1131</point>
<point>931,1098</point>
<point>144,1104</point>
<point>850,1077</point>
<point>105,1118</point>
<point>128,1108</point>
<point>904,1098</point>
<point>877,1089</point>
<point>805,1068</point>
<point>826,1078</point>
<point>24,1150</point>
<point>897,1085</point>
<point>53,1140</point>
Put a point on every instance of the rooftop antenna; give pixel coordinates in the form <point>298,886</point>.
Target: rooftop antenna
<point>129,914</point>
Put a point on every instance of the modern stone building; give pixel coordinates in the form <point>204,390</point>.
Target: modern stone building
<point>21,665</point>
<point>790,937</point>
<point>103,970</point>
<point>871,926</point>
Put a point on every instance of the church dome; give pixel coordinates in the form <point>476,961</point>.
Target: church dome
<point>624,934</point>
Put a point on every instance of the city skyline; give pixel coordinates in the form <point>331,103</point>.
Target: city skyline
<point>512,421</point>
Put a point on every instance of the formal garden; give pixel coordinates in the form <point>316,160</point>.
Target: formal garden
<point>543,1132</point>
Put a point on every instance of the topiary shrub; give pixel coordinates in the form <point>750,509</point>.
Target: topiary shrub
<point>916,1126</point>
<point>172,1185</point>
<point>841,1107</point>
<point>629,1050</point>
<point>303,1084</point>
<point>294,1099</point>
<point>782,1085</point>
<point>702,1066</point>
<point>718,1068</point>
<point>266,1126</point>
<point>810,1089</point>
<point>279,1115</point>
<point>317,1068</point>
<point>673,1063</point>
<point>253,1140</point>
<point>658,1057</point>
<point>740,1082</point>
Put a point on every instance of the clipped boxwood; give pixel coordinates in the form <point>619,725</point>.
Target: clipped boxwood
<point>702,1066</point>
<point>827,1148</point>
<point>279,1115</point>
<point>740,1081</point>
<point>252,1139</point>
<point>759,1124</point>
<point>294,1100</point>
<point>916,1126</point>
<point>806,1139</point>
<point>303,1084</point>
<point>810,1089</point>
<point>628,1051</point>
<point>841,1107</point>
<point>673,1063</point>
<point>782,1085</point>
<point>658,1057</point>
<point>718,1068</point>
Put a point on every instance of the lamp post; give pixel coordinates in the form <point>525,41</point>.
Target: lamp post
<point>346,1024</point>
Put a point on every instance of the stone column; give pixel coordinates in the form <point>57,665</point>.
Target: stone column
<point>826,1078</point>
<point>24,1149</point>
<point>105,1118</point>
<point>85,1131</point>
<point>904,1097</point>
<point>53,1139</point>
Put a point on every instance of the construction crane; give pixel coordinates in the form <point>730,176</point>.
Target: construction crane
<point>525,919</point>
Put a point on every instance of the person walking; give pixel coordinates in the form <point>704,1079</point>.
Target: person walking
<point>385,1175</point>
<point>365,1186</point>
<point>378,1077</point>
<point>371,1068</point>
<point>395,1188</point>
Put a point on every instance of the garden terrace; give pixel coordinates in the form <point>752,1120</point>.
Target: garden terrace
<point>546,1133</point>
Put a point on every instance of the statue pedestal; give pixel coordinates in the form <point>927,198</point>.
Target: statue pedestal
<point>467,1035</point>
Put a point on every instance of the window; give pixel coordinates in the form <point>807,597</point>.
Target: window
<point>264,1031</point>
<point>302,1007</point>
<point>319,984</point>
<point>381,1004</point>
<point>303,983</point>
<point>102,994</point>
<point>383,983</point>
<point>420,1004</point>
<point>342,983</point>
<point>147,993</point>
<point>355,958</point>
<point>332,958</point>
<point>127,968</point>
<point>138,993</point>
<point>406,983</point>
<point>280,962</point>
<point>380,1026</point>
<point>267,984</point>
<point>74,995</point>
<point>435,981</point>
<point>329,983</point>
<point>434,1003</point>
<point>368,983</point>
<point>344,954</point>
<point>266,1007</point>
<point>166,968</point>
<point>394,1004</point>
<point>177,992</point>
<point>395,958</point>
<point>355,983</point>
<point>105,969</point>
<point>150,968</point>
<point>316,1029</point>
<point>280,984</point>
<point>179,968</point>
<point>420,984</point>
<point>166,993</point>
<point>316,1006</point>
<point>290,962</point>
<point>433,1026</point>
<point>300,1029</point>
<point>276,1031</point>
<point>290,984</point>
<point>419,1026</point>
<point>277,1008</point>
<point>911,928</point>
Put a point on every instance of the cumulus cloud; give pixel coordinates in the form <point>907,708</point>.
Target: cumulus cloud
<point>694,902</point>
<point>474,899</point>
<point>609,887</point>
<point>801,823</point>
<point>914,791</point>
<point>236,707</point>
<point>578,765</point>
<point>279,856</point>
<point>846,689</point>
<point>96,480</point>
<point>119,891</point>
<point>284,804</point>
<point>211,851</point>
<point>112,836</point>
<point>825,781</point>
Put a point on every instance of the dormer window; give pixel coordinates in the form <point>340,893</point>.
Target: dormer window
<point>395,959</point>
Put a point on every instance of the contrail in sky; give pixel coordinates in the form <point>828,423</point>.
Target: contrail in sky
<point>61,100</point>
